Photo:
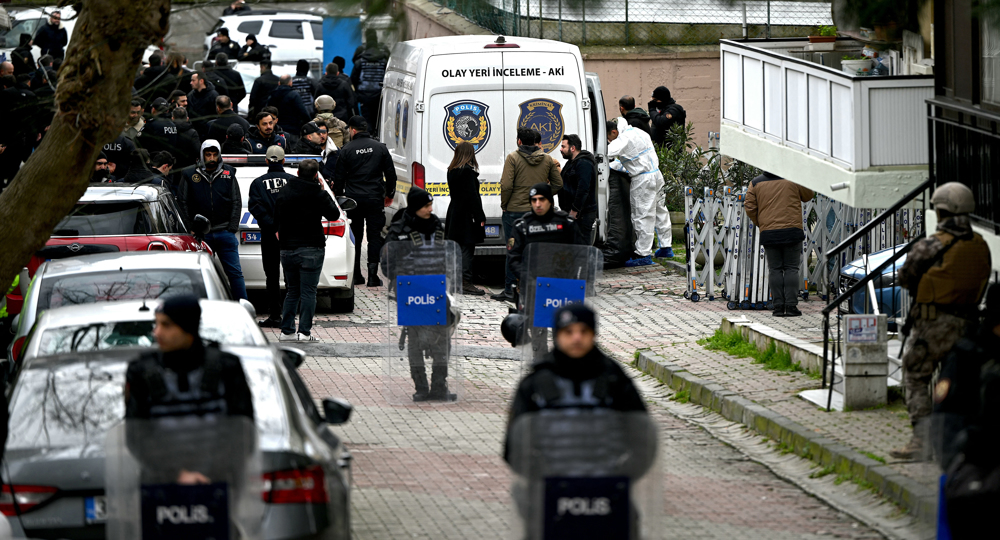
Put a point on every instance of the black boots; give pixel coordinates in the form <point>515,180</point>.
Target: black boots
<point>373,280</point>
<point>438,390</point>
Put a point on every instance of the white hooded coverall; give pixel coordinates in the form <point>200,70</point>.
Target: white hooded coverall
<point>637,158</point>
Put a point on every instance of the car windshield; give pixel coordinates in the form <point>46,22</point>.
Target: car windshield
<point>115,218</point>
<point>121,334</point>
<point>74,404</point>
<point>93,287</point>
<point>27,26</point>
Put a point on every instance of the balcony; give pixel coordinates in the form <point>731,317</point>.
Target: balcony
<point>793,112</point>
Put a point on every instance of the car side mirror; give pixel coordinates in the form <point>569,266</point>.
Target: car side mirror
<point>249,307</point>
<point>201,226</point>
<point>337,411</point>
<point>346,203</point>
<point>292,356</point>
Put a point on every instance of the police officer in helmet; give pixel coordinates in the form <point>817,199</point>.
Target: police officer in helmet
<point>945,274</point>
<point>185,376</point>
<point>574,374</point>
<point>545,223</point>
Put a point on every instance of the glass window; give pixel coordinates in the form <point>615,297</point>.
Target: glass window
<point>250,27</point>
<point>90,288</point>
<point>28,26</point>
<point>990,46</point>
<point>106,219</point>
<point>304,396</point>
<point>286,29</point>
<point>268,412</point>
<point>120,334</point>
<point>166,218</point>
<point>317,28</point>
<point>66,405</point>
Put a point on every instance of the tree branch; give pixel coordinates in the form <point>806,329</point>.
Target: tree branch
<point>92,98</point>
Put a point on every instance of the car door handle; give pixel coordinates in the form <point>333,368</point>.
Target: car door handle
<point>319,48</point>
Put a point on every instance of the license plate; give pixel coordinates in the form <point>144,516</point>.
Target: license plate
<point>492,231</point>
<point>96,509</point>
<point>251,237</point>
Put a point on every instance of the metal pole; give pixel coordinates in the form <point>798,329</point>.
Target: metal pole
<point>560,20</point>
<point>541,29</point>
<point>527,20</point>
<point>769,33</point>
<point>583,4</point>
<point>626,23</point>
<point>744,20</point>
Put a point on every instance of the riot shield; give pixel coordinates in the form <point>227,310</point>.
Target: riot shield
<point>184,477</point>
<point>553,275</point>
<point>585,474</point>
<point>423,313</point>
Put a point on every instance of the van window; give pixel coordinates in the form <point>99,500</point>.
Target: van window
<point>286,29</point>
<point>599,130</point>
<point>317,28</point>
<point>250,27</point>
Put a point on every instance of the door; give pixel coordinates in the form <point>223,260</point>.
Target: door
<point>599,140</point>
<point>466,104</point>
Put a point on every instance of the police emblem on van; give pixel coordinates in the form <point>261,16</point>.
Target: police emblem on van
<point>399,107</point>
<point>545,117</point>
<point>466,121</point>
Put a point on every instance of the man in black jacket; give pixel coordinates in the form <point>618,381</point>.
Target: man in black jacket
<point>262,135</point>
<point>226,117</point>
<point>291,112</point>
<point>201,102</point>
<point>159,134</point>
<point>233,81</point>
<point>365,173</point>
<point>666,113</point>
<point>119,152</point>
<point>336,86</point>
<point>543,224</point>
<point>367,75</point>
<point>300,208</point>
<point>210,189</point>
<point>224,45</point>
<point>262,88</point>
<point>578,195</point>
<point>52,38</point>
<point>188,141</point>
<point>23,60</point>
<point>310,139</point>
<point>263,194</point>
<point>172,381</point>
<point>636,117</point>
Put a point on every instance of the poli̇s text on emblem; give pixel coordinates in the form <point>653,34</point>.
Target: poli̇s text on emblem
<point>466,121</point>
<point>545,117</point>
<point>399,107</point>
<point>406,119</point>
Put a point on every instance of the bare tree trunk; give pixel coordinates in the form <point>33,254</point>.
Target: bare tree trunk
<point>92,98</point>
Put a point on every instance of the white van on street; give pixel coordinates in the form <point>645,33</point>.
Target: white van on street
<point>439,92</point>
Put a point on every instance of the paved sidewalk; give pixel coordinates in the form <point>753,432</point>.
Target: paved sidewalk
<point>420,461</point>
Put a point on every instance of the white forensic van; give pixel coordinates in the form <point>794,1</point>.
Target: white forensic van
<point>439,92</point>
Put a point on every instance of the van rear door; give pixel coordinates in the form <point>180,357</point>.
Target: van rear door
<point>467,104</point>
<point>600,150</point>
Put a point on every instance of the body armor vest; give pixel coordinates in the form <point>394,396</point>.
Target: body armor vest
<point>958,279</point>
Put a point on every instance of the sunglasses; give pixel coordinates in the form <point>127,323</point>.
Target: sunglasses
<point>323,131</point>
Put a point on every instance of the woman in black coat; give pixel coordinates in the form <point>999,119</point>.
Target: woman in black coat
<point>465,220</point>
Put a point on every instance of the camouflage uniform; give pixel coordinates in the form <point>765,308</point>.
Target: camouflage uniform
<point>945,291</point>
<point>336,128</point>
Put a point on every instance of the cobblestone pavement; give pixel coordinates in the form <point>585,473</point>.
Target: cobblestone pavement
<point>426,471</point>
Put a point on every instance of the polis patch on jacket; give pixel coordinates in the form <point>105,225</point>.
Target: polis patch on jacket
<point>466,121</point>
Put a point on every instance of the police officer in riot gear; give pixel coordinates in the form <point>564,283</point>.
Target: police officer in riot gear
<point>945,274</point>
<point>417,224</point>
<point>544,223</point>
<point>185,376</point>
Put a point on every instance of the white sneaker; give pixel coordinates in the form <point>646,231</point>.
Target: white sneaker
<point>289,337</point>
<point>308,339</point>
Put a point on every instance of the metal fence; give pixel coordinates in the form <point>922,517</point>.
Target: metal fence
<point>645,22</point>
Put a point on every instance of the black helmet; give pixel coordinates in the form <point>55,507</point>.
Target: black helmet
<point>512,328</point>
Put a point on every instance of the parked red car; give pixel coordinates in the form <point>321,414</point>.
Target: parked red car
<point>119,217</point>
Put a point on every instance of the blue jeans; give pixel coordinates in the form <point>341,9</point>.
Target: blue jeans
<point>508,219</point>
<point>302,268</point>
<point>225,245</point>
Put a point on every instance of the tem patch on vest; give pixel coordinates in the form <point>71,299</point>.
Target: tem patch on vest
<point>544,116</point>
<point>466,121</point>
<point>420,300</point>
<point>551,294</point>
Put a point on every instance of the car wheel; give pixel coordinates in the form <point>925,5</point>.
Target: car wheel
<point>342,302</point>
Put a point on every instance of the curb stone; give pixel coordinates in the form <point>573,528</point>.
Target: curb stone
<point>919,500</point>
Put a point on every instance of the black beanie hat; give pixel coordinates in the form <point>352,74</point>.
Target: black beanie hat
<point>542,189</point>
<point>234,132</point>
<point>575,313</point>
<point>417,199</point>
<point>184,310</point>
<point>661,93</point>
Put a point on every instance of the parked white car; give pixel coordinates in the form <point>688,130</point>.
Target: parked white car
<point>337,279</point>
<point>289,35</point>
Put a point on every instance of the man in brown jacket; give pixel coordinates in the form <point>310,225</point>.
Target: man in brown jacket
<point>775,206</point>
<point>523,168</point>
